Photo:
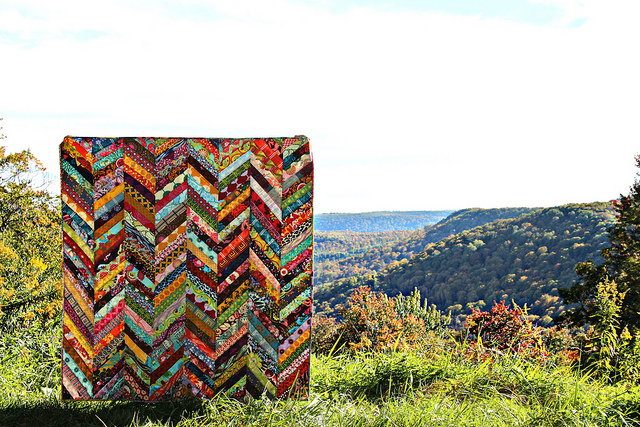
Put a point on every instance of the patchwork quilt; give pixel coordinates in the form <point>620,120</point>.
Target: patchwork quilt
<point>187,268</point>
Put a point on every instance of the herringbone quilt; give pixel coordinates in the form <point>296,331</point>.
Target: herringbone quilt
<point>187,267</point>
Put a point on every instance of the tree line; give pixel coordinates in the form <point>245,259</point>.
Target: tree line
<point>524,259</point>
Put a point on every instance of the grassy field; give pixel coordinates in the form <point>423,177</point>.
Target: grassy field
<point>397,389</point>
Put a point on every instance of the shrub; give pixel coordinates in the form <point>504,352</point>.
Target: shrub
<point>562,344</point>
<point>326,333</point>
<point>610,351</point>
<point>507,330</point>
<point>375,322</point>
<point>413,305</point>
<point>370,320</point>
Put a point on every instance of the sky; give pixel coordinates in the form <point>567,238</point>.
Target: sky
<point>408,104</point>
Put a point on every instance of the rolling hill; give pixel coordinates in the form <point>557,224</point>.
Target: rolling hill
<point>337,261</point>
<point>336,245</point>
<point>524,259</point>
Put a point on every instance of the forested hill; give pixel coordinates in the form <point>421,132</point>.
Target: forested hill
<point>336,245</point>
<point>330,266</point>
<point>466,219</point>
<point>377,221</point>
<point>524,259</point>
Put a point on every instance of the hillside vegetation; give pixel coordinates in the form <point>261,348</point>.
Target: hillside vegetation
<point>334,261</point>
<point>377,221</point>
<point>335,245</point>
<point>524,259</point>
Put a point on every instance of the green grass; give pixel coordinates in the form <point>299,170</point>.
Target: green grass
<point>401,389</point>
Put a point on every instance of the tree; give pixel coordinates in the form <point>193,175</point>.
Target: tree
<point>30,244</point>
<point>621,265</point>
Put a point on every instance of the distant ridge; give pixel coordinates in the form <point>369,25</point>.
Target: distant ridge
<point>352,262</point>
<point>377,221</point>
<point>524,259</point>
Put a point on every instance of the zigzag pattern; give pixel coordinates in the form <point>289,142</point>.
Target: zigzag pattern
<point>76,172</point>
<point>139,224</point>
<point>110,261</point>
<point>170,267</point>
<point>266,228</point>
<point>187,268</point>
<point>233,267</point>
<point>296,289</point>
<point>202,267</point>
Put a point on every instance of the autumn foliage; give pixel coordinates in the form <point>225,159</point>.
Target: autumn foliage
<point>30,244</point>
<point>506,329</point>
<point>376,322</point>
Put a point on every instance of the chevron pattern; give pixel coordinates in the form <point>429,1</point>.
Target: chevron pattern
<point>187,268</point>
<point>296,272</point>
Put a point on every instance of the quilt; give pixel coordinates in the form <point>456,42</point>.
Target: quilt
<point>187,267</point>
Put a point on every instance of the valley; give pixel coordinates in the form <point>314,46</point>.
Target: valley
<point>472,258</point>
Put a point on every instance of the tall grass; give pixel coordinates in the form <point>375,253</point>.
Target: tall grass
<point>359,389</point>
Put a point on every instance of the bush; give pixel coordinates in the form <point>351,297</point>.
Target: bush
<point>413,305</point>
<point>610,351</point>
<point>507,330</point>
<point>370,320</point>
<point>562,344</point>
<point>326,333</point>
<point>375,322</point>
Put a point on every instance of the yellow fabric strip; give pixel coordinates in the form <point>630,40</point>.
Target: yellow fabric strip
<point>108,197</point>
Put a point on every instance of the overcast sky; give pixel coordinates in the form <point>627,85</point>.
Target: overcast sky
<point>409,104</point>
